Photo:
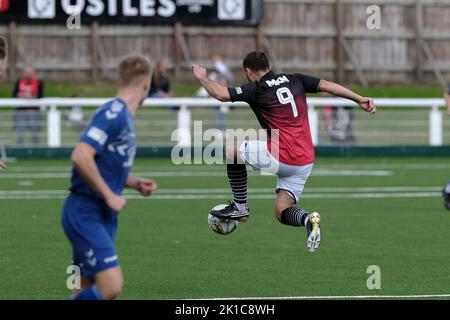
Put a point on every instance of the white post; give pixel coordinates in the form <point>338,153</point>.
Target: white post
<point>184,127</point>
<point>314,124</point>
<point>53,127</point>
<point>436,127</point>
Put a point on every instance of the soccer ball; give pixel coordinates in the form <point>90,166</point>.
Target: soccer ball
<point>221,226</point>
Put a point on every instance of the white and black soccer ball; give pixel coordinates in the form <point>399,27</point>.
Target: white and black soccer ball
<point>221,226</point>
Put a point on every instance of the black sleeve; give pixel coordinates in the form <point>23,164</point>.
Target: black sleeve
<point>246,93</point>
<point>16,90</point>
<point>448,89</point>
<point>41,89</point>
<point>310,83</point>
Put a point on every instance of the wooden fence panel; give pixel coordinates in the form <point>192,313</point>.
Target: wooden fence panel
<point>325,37</point>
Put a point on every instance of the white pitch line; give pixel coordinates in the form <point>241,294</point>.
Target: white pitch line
<point>61,194</point>
<point>68,174</point>
<point>201,191</point>
<point>305,196</point>
<point>347,173</point>
<point>308,190</point>
<point>373,195</point>
<point>198,191</point>
<point>375,189</point>
<point>33,197</point>
<point>326,173</point>
<point>412,296</point>
<point>32,192</point>
<point>42,175</point>
<point>393,166</point>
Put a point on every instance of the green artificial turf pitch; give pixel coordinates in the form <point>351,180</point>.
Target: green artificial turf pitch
<point>384,212</point>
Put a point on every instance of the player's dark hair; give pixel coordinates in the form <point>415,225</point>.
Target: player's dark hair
<point>256,61</point>
<point>133,67</point>
<point>2,48</point>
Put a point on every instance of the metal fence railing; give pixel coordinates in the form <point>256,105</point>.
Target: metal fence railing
<point>56,122</point>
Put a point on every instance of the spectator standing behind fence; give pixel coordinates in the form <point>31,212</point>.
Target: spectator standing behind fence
<point>75,117</point>
<point>339,122</point>
<point>160,86</point>
<point>28,118</point>
<point>225,76</point>
<point>2,56</point>
<point>447,98</point>
<point>221,111</point>
<point>222,68</point>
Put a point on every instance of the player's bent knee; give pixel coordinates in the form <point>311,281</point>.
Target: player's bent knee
<point>282,202</point>
<point>110,283</point>
<point>111,291</point>
<point>278,215</point>
<point>278,211</point>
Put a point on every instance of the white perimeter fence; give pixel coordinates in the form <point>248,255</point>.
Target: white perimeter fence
<point>332,120</point>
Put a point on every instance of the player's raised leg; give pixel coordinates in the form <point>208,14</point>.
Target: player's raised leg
<point>291,215</point>
<point>290,185</point>
<point>237,176</point>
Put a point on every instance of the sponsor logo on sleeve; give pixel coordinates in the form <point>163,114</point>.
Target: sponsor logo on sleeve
<point>98,135</point>
<point>114,111</point>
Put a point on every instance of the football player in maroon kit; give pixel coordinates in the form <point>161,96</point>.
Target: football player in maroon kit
<point>279,103</point>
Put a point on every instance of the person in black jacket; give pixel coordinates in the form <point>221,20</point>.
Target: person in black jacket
<point>160,86</point>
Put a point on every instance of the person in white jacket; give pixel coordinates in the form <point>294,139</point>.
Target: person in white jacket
<point>447,98</point>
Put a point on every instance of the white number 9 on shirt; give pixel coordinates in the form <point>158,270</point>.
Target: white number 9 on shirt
<point>285,97</point>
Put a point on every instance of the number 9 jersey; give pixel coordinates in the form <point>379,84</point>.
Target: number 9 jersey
<point>279,103</point>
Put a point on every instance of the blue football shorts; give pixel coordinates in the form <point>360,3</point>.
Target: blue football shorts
<point>91,226</point>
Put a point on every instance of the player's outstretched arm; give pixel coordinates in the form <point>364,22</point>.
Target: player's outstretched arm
<point>83,158</point>
<point>447,100</point>
<point>214,88</point>
<point>367,104</point>
<point>2,165</point>
<point>144,186</point>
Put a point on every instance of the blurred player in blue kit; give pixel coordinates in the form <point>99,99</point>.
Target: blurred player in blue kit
<point>102,162</point>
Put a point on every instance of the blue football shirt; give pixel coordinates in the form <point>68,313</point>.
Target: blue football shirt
<point>111,133</point>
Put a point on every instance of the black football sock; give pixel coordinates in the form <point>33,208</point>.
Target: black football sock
<point>294,216</point>
<point>237,175</point>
